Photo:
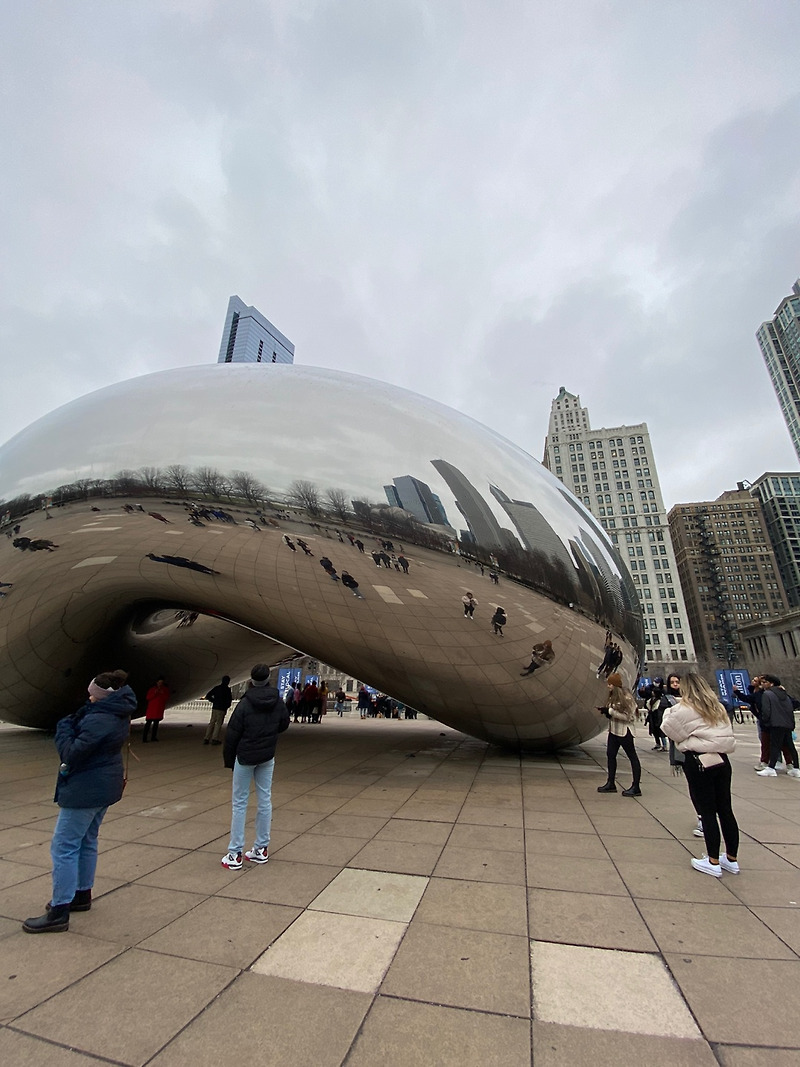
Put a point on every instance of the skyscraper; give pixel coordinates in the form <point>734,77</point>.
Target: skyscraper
<point>250,338</point>
<point>780,498</point>
<point>612,472</point>
<point>727,570</point>
<point>779,341</point>
<point>417,497</point>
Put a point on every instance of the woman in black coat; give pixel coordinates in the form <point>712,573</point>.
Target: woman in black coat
<point>91,778</point>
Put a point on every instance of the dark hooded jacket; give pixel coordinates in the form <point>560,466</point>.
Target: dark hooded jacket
<point>776,709</point>
<point>252,733</point>
<point>90,745</point>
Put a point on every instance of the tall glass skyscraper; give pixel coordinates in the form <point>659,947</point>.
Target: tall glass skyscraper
<point>779,341</point>
<point>250,338</point>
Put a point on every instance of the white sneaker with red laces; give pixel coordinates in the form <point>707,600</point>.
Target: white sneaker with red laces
<point>232,860</point>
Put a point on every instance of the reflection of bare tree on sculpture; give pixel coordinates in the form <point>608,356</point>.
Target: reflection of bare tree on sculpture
<point>178,478</point>
<point>304,494</point>
<point>245,485</point>
<point>209,481</point>
<point>340,506</point>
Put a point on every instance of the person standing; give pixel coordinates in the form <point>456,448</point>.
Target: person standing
<point>339,702</point>
<point>90,779</point>
<point>157,697</point>
<point>470,603</point>
<point>620,711</point>
<point>249,750</point>
<point>221,699</point>
<point>700,727</point>
<point>499,619</point>
<point>777,716</point>
<point>364,702</point>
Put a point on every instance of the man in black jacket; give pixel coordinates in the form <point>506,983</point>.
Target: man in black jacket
<point>249,750</point>
<point>777,716</point>
<point>221,699</point>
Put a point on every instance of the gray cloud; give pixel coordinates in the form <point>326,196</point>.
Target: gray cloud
<point>481,202</point>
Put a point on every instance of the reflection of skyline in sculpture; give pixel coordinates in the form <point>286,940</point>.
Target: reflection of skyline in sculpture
<point>95,597</point>
<point>482,524</point>
<point>416,497</point>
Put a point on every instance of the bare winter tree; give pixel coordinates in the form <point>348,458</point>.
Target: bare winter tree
<point>177,478</point>
<point>126,482</point>
<point>209,481</point>
<point>304,494</point>
<point>244,484</point>
<point>152,478</point>
<point>337,498</point>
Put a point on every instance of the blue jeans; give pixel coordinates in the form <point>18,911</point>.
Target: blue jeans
<point>243,775</point>
<point>74,851</point>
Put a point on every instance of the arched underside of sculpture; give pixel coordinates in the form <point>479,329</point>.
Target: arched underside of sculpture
<point>308,454</point>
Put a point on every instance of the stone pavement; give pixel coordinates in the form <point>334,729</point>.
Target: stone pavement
<point>428,900</point>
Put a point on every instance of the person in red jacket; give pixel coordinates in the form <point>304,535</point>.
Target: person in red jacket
<point>157,697</point>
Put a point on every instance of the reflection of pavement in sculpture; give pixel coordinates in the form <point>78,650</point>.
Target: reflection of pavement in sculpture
<point>113,592</point>
<point>408,637</point>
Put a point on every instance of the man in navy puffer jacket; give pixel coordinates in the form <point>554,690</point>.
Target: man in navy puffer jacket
<point>90,779</point>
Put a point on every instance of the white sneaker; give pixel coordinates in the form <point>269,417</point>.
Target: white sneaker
<point>257,855</point>
<point>768,772</point>
<point>698,830</point>
<point>731,866</point>
<point>793,772</point>
<point>707,867</point>
<point>232,860</point>
<point>760,766</point>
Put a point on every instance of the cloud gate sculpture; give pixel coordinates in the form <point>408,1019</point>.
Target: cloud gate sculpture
<point>186,514</point>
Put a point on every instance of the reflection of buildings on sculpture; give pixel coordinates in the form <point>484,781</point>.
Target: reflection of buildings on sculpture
<point>779,341</point>
<point>416,497</point>
<point>612,472</point>
<point>250,338</point>
<point>533,529</point>
<point>483,527</point>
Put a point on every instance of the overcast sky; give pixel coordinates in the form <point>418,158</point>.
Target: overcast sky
<point>481,200</point>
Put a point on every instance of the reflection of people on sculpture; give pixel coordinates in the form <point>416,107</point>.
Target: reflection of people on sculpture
<point>329,568</point>
<point>181,561</point>
<point>90,779</point>
<point>38,544</point>
<point>289,542</point>
<point>349,582</point>
<point>401,559</point>
<point>494,579</point>
<point>221,699</point>
<point>359,545</point>
<point>541,655</point>
<point>499,619</point>
<point>376,556</point>
<point>5,585</point>
<point>620,711</point>
<point>306,550</point>
<point>470,603</point>
<point>157,697</point>
<point>249,751</point>
<point>159,516</point>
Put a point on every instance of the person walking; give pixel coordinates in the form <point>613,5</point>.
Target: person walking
<point>700,727</point>
<point>339,702</point>
<point>90,779</point>
<point>470,603</point>
<point>221,699</point>
<point>349,582</point>
<point>620,710</point>
<point>157,697</point>
<point>364,702</point>
<point>249,750</point>
<point>777,716</point>
<point>499,619</point>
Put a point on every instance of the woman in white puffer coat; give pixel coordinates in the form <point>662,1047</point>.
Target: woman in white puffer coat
<point>700,727</point>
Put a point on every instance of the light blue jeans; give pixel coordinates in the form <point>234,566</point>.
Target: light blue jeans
<point>74,851</point>
<point>243,775</point>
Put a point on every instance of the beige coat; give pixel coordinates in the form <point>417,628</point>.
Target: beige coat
<point>691,733</point>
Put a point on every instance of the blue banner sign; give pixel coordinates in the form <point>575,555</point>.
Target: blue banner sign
<point>288,677</point>
<point>727,681</point>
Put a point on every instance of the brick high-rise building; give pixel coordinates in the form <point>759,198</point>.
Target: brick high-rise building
<point>612,472</point>
<point>727,570</point>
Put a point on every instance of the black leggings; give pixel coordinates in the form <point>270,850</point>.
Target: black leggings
<point>710,790</point>
<point>781,738</point>
<point>629,747</point>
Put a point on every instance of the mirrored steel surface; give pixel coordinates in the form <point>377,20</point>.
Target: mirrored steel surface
<point>134,473</point>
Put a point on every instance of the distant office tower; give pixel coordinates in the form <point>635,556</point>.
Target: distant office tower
<point>727,570</point>
<point>250,338</point>
<point>612,472</point>
<point>418,498</point>
<point>779,340</point>
<point>780,498</point>
<point>482,527</point>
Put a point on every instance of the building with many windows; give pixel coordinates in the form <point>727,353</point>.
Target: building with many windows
<point>612,472</point>
<point>779,340</point>
<point>727,570</point>
<point>416,497</point>
<point>780,499</point>
<point>250,338</point>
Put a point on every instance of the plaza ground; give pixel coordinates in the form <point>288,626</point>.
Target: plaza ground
<point>428,900</point>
